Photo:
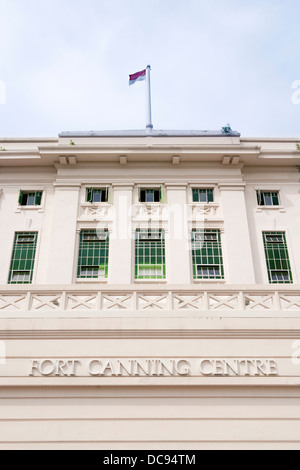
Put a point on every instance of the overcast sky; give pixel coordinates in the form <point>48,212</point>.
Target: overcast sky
<point>65,65</point>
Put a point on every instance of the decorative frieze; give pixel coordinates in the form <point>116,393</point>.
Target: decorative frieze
<point>201,302</point>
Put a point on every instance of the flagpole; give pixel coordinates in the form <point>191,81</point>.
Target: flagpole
<point>149,125</point>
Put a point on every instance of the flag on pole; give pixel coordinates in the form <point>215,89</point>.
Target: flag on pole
<point>137,77</point>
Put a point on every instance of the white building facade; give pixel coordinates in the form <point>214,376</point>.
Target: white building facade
<point>149,291</point>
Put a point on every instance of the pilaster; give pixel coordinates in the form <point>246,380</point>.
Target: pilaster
<point>240,268</point>
<point>63,237</point>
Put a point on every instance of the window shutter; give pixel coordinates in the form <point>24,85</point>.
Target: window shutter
<point>142,195</point>
<point>163,195</point>
<point>195,195</point>
<point>275,199</point>
<point>157,195</point>
<point>260,198</point>
<point>210,195</point>
<point>38,198</point>
<point>110,195</point>
<point>106,194</point>
<point>20,197</point>
<point>89,195</point>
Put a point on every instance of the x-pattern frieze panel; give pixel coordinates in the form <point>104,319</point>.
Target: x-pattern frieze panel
<point>201,211</point>
<point>204,211</point>
<point>117,302</point>
<point>288,302</point>
<point>97,212</point>
<point>217,302</point>
<point>259,302</point>
<point>189,302</point>
<point>9,302</point>
<point>146,302</point>
<point>45,302</point>
<point>100,211</point>
<point>148,211</point>
<point>81,302</point>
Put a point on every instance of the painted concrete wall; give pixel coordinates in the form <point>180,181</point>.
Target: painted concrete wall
<point>236,215</point>
<point>148,412</point>
<point>59,319</point>
<point>150,418</point>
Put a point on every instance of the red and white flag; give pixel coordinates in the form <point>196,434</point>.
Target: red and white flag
<point>137,77</point>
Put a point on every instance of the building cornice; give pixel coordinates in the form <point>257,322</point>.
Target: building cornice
<point>174,152</point>
<point>124,334</point>
<point>270,139</point>
<point>257,288</point>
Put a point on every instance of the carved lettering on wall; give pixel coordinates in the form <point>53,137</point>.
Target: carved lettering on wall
<point>154,368</point>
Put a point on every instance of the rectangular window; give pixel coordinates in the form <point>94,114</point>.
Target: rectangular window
<point>23,258</point>
<point>93,254</point>
<point>150,195</point>
<point>203,195</point>
<point>150,254</point>
<point>30,198</point>
<point>277,258</point>
<point>207,254</point>
<point>266,198</point>
<point>96,195</point>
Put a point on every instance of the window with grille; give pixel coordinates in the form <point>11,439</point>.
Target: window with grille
<point>93,254</point>
<point>150,254</point>
<point>277,258</point>
<point>207,254</point>
<point>96,195</point>
<point>203,195</point>
<point>23,258</point>
<point>150,195</point>
<point>266,198</point>
<point>30,198</point>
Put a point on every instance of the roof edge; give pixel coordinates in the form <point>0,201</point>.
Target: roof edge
<point>153,133</point>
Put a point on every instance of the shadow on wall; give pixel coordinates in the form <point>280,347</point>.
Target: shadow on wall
<point>2,197</point>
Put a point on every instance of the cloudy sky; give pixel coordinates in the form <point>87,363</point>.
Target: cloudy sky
<point>65,65</point>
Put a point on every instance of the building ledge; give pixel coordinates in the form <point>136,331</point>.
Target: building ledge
<point>151,300</point>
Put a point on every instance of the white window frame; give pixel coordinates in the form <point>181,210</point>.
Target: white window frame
<point>40,208</point>
<point>270,189</point>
